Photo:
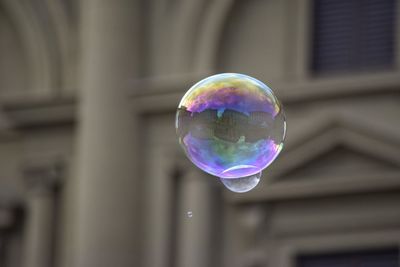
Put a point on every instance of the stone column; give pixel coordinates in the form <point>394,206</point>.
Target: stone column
<point>252,221</point>
<point>106,178</point>
<point>41,181</point>
<point>195,226</point>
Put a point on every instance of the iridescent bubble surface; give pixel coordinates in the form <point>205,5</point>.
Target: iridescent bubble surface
<point>242,184</point>
<point>230,125</point>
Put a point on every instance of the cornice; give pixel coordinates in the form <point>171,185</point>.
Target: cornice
<point>162,94</point>
<point>34,112</point>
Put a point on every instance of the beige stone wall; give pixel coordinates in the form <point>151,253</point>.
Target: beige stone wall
<point>91,173</point>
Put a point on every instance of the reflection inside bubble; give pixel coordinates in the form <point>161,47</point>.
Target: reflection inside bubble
<point>231,126</point>
<point>243,184</point>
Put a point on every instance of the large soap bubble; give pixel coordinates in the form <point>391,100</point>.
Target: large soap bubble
<point>231,126</point>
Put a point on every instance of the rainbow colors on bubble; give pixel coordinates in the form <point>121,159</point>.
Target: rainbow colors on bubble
<point>230,125</point>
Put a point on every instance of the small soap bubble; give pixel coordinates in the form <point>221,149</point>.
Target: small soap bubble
<point>231,126</point>
<point>243,184</point>
<point>189,214</point>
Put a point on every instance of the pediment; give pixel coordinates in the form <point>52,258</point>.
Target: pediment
<point>340,161</point>
<point>332,158</point>
<point>337,148</point>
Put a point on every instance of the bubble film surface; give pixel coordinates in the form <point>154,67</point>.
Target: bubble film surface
<point>230,125</point>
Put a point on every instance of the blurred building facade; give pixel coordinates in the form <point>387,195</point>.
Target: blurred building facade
<point>91,173</point>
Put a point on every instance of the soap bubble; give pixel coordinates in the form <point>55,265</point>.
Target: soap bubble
<point>242,184</point>
<point>231,125</point>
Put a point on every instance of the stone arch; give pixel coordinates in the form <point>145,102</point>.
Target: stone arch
<point>249,42</point>
<point>186,28</point>
<point>14,76</point>
<point>209,40</point>
<point>43,31</point>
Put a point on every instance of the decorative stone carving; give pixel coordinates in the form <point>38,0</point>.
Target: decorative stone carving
<point>43,175</point>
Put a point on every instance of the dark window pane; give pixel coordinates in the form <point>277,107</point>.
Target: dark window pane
<point>353,35</point>
<point>373,258</point>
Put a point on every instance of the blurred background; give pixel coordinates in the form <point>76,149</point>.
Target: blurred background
<point>91,173</point>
